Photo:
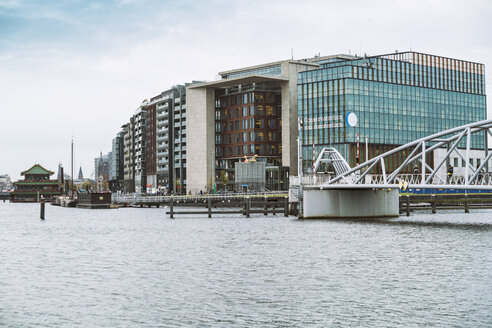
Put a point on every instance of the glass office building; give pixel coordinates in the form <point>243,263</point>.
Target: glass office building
<point>397,98</point>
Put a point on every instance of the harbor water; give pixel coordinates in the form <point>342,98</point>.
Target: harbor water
<point>133,267</point>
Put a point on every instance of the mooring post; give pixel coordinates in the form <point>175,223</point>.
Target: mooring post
<point>41,215</point>
<point>408,205</point>
<point>433,203</point>
<point>467,208</point>
<point>171,213</point>
<point>209,200</point>
<point>265,206</point>
<point>248,206</point>
<point>286,206</point>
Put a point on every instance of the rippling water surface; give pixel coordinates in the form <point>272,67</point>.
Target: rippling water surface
<point>137,268</point>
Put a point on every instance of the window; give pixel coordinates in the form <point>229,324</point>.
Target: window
<point>456,162</point>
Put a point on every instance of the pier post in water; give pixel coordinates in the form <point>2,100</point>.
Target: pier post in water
<point>171,213</point>
<point>467,206</point>
<point>209,200</point>
<point>41,214</point>
<point>408,205</point>
<point>248,206</point>
<point>433,203</point>
<point>286,206</point>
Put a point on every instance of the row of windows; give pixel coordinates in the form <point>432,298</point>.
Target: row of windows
<point>475,162</point>
<point>251,149</point>
<point>258,110</point>
<point>271,70</point>
<point>246,137</point>
<point>246,98</point>
<point>252,123</point>
<point>327,90</point>
<point>429,73</point>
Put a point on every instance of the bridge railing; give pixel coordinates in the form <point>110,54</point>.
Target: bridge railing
<point>483,179</point>
<point>142,198</point>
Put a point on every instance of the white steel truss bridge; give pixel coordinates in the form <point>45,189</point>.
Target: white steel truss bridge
<point>362,176</point>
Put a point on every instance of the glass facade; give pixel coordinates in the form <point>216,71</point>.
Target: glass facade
<point>270,70</point>
<point>397,98</point>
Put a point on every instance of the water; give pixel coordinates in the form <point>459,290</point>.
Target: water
<point>136,268</point>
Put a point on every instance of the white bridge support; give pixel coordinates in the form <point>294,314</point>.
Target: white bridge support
<point>350,203</point>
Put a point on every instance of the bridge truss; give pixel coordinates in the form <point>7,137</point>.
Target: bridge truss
<point>427,177</point>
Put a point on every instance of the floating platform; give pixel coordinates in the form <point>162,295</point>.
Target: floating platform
<point>94,200</point>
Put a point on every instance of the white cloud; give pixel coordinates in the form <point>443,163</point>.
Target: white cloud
<point>9,3</point>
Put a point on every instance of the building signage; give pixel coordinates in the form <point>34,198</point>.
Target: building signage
<point>323,122</point>
<point>351,119</point>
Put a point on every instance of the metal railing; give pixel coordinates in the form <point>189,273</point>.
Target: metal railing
<point>143,198</point>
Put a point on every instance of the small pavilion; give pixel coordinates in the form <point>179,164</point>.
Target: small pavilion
<point>36,183</point>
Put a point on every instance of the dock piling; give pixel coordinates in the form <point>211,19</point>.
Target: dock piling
<point>433,203</point>
<point>171,214</point>
<point>408,205</point>
<point>248,206</point>
<point>209,207</point>
<point>41,215</point>
<point>286,206</point>
<point>467,207</point>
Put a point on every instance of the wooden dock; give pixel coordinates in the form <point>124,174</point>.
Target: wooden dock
<point>433,203</point>
<point>245,206</point>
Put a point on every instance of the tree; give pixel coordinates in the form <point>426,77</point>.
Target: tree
<point>224,179</point>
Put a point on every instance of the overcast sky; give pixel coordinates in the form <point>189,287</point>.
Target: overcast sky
<point>81,68</point>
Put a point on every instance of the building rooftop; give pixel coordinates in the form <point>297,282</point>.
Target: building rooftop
<point>37,169</point>
<point>226,83</point>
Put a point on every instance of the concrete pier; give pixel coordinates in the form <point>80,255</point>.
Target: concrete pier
<point>350,203</point>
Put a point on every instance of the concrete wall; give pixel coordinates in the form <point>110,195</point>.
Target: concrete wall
<point>350,203</point>
<point>290,69</point>
<point>200,143</point>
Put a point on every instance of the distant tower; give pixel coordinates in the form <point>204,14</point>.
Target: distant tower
<point>81,176</point>
<point>60,172</point>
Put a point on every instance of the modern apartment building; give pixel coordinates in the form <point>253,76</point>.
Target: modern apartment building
<point>140,119</point>
<point>272,84</point>
<point>128,132</point>
<point>116,159</point>
<point>171,139</point>
<point>151,146</point>
<point>396,98</point>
